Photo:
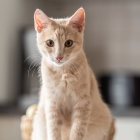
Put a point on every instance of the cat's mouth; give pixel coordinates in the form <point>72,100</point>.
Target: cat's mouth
<point>58,62</point>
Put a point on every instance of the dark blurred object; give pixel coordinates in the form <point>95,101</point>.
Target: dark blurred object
<point>137,91</point>
<point>31,61</point>
<point>104,82</point>
<point>120,90</point>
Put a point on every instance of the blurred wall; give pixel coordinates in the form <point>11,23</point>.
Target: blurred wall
<point>112,35</point>
<point>14,15</point>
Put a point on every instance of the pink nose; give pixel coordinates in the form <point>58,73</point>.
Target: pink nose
<point>59,58</point>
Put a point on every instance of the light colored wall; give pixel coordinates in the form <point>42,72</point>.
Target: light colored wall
<point>112,35</point>
<point>8,47</point>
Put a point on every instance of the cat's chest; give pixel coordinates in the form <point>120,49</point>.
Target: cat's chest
<point>61,83</point>
<point>66,106</point>
<point>61,88</point>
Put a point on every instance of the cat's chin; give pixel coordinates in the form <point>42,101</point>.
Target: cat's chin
<point>58,64</point>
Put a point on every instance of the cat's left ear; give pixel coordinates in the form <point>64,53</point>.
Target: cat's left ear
<point>78,20</point>
<point>41,20</point>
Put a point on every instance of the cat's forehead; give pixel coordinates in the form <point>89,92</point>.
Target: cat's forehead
<point>58,28</point>
<point>61,31</point>
<point>61,26</point>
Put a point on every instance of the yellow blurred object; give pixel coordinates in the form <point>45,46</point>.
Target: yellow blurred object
<point>31,110</point>
<point>27,121</point>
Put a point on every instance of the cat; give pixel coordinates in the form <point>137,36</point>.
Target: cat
<point>70,106</point>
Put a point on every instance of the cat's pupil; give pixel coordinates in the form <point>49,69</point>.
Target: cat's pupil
<point>50,43</point>
<point>68,43</point>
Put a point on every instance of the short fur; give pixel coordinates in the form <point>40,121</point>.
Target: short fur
<point>70,105</point>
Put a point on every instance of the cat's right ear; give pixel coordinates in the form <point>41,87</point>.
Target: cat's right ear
<point>41,20</point>
<point>78,19</point>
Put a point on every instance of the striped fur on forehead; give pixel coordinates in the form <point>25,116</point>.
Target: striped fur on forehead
<point>60,33</point>
<point>60,29</point>
<point>64,31</point>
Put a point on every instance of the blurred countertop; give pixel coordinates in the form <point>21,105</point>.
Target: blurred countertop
<point>127,123</point>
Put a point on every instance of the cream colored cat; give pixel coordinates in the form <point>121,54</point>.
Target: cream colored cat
<point>70,105</point>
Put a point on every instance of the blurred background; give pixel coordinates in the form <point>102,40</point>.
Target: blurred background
<point>112,45</point>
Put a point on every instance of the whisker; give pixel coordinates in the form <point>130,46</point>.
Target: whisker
<point>32,67</point>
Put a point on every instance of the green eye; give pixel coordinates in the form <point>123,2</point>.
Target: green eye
<point>50,43</point>
<point>68,43</point>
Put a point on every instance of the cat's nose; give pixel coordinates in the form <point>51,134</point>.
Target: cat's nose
<point>59,58</point>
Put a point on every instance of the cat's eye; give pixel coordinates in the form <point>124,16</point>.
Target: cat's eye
<point>50,43</point>
<point>68,43</point>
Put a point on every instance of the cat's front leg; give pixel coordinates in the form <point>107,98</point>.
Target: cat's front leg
<point>80,120</point>
<point>53,121</point>
<point>39,129</point>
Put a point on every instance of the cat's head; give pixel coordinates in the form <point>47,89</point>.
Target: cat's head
<point>59,40</point>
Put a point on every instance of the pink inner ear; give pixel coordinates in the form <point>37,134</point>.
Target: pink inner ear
<point>78,19</point>
<point>41,20</point>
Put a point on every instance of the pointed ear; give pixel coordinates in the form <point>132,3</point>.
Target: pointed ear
<point>41,20</point>
<point>78,20</point>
